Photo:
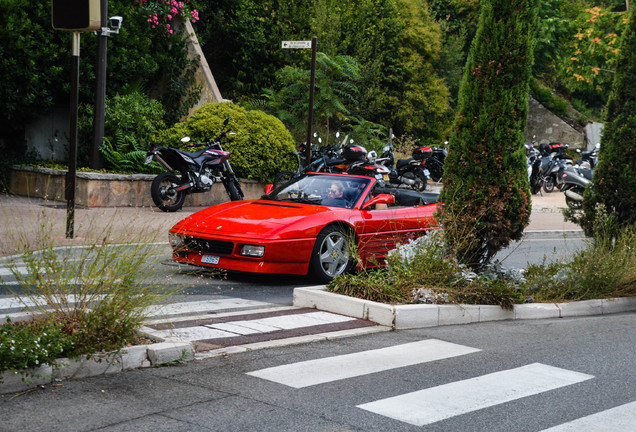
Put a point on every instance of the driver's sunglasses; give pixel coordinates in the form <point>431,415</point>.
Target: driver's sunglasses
<point>332,191</point>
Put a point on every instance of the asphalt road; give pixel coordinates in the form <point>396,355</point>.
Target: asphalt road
<point>495,376</point>
<point>196,283</point>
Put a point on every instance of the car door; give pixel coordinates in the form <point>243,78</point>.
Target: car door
<point>379,231</point>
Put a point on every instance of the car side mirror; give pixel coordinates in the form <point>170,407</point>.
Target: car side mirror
<point>379,199</point>
<point>269,188</point>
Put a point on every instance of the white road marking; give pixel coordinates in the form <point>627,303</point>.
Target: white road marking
<point>192,333</point>
<point>312,372</point>
<point>438,403</point>
<point>262,325</point>
<point>203,306</point>
<point>14,302</point>
<point>619,419</point>
<point>4,271</point>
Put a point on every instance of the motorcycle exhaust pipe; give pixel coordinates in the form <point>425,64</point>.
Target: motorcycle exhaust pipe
<point>407,180</point>
<point>573,195</point>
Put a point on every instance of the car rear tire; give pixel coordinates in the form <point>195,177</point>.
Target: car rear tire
<point>332,254</point>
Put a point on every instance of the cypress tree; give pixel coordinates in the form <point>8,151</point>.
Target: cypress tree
<point>486,192</point>
<point>615,176</point>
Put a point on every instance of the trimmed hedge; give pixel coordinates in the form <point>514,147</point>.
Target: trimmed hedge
<point>259,148</point>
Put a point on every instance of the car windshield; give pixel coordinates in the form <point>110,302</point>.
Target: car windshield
<point>328,190</point>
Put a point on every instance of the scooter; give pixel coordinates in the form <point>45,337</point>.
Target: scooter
<point>574,184</point>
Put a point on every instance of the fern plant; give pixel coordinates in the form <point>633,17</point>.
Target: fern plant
<point>127,155</point>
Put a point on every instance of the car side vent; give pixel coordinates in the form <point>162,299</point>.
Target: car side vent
<point>209,246</point>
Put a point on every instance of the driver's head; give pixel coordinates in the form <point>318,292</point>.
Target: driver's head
<point>336,190</point>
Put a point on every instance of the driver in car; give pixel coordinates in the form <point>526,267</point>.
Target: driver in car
<point>335,196</point>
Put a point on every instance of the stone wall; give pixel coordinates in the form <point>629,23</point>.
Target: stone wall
<point>110,190</point>
<point>547,127</point>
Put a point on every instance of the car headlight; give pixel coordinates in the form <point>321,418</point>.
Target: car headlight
<point>253,250</point>
<point>176,241</point>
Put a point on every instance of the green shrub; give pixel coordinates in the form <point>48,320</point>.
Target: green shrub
<point>259,147</point>
<point>548,99</point>
<point>31,344</point>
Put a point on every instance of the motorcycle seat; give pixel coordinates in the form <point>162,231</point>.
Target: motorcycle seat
<point>403,162</point>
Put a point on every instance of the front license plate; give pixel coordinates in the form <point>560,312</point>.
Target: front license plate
<point>379,176</point>
<point>148,159</point>
<point>210,259</point>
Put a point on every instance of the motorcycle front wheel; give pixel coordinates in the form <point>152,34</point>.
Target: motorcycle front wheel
<point>164,194</point>
<point>233,188</point>
<point>548,184</point>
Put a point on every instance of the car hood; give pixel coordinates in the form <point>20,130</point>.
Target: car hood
<point>261,218</point>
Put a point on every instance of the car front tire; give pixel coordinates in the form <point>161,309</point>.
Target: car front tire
<point>332,254</point>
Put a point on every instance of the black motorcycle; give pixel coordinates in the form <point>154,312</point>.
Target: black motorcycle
<point>432,159</point>
<point>554,158</point>
<point>409,172</point>
<point>192,172</point>
<point>326,158</point>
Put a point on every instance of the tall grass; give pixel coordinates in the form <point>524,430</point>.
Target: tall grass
<point>97,293</point>
<point>426,271</point>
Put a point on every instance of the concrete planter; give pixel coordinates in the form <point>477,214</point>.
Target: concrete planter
<point>109,190</point>
<point>429,315</point>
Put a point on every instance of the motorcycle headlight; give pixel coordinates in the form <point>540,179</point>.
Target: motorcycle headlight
<point>253,250</point>
<point>176,241</point>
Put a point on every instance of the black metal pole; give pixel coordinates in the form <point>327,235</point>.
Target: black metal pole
<point>310,120</point>
<point>72,152</point>
<point>96,160</point>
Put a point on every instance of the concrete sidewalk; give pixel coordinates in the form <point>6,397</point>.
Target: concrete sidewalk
<point>23,218</point>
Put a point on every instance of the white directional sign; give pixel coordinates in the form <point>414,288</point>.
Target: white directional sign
<point>297,44</point>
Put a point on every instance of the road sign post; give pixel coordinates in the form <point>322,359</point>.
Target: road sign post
<point>313,44</point>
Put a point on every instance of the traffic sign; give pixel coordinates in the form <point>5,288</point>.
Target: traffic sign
<point>297,44</point>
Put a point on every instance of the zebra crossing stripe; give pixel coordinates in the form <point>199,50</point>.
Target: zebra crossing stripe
<point>243,327</point>
<point>442,402</point>
<point>312,372</point>
<point>620,418</point>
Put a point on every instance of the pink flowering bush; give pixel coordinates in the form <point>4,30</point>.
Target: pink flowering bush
<point>162,13</point>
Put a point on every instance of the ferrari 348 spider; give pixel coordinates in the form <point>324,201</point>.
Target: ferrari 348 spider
<point>311,225</point>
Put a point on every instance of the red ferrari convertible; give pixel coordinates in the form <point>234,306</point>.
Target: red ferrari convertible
<point>311,225</point>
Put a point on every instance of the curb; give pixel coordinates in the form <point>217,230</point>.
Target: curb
<point>134,357</point>
<point>428,315</point>
<point>551,234</point>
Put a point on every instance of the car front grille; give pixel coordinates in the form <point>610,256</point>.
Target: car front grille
<point>219,247</point>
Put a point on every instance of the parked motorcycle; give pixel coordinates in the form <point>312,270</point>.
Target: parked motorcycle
<point>192,172</point>
<point>407,172</point>
<point>326,158</point>
<point>574,183</point>
<point>534,169</point>
<point>554,158</point>
<point>432,159</point>
<point>590,156</point>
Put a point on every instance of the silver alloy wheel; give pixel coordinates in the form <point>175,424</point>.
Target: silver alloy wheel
<point>334,254</point>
